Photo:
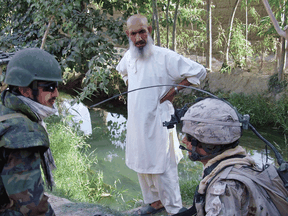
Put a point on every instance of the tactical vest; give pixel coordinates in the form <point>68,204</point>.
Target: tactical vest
<point>17,139</point>
<point>4,199</point>
<point>266,189</point>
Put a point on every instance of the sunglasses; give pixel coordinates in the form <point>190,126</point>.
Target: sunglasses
<point>49,86</point>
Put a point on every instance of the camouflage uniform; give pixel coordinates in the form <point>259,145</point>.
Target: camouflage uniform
<point>231,184</point>
<point>22,145</point>
<point>232,193</point>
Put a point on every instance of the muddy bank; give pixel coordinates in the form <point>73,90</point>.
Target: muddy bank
<point>64,207</point>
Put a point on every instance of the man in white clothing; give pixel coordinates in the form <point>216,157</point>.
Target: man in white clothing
<point>151,149</point>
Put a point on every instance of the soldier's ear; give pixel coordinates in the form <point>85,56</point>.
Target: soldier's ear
<point>26,92</point>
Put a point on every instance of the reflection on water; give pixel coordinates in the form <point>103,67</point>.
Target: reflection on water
<point>108,141</point>
<point>116,124</point>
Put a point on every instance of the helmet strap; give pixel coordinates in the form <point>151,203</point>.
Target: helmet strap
<point>35,90</point>
<point>216,151</point>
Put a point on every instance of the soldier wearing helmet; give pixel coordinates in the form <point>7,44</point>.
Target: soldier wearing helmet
<point>32,76</point>
<point>213,131</point>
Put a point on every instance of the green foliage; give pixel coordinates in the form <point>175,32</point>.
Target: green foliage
<point>280,113</point>
<point>258,107</point>
<point>81,36</point>
<point>238,49</point>
<point>275,85</point>
<point>74,177</point>
<point>190,179</point>
<point>187,189</point>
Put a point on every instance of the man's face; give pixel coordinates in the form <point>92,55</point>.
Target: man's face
<point>138,33</point>
<point>198,149</point>
<point>47,93</point>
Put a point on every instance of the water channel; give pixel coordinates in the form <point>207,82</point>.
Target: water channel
<point>108,143</point>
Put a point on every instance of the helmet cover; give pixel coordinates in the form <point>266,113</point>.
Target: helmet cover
<point>212,121</point>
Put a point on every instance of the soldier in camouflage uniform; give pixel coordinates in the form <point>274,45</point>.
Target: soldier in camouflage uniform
<point>32,76</point>
<point>228,185</point>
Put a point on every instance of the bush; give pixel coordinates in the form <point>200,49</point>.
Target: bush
<point>74,178</point>
<point>258,107</point>
<point>280,113</point>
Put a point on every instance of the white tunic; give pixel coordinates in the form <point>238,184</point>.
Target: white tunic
<point>147,141</point>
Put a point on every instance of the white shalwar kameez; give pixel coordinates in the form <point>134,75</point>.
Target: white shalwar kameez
<point>151,149</point>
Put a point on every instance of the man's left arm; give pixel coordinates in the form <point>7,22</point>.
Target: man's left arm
<point>179,66</point>
<point>173,91</point>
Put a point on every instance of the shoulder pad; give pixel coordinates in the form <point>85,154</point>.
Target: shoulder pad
<point>21,132</point>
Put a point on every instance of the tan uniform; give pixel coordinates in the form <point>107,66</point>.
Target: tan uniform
<point>232,192</point>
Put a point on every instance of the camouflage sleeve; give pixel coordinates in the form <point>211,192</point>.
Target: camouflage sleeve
<point>21,176</point>
<point>226,197</point>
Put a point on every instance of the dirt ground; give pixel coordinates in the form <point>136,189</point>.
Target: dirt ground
<point>64,207</point>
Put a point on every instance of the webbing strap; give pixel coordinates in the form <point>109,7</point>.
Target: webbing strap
<point>12,115</point>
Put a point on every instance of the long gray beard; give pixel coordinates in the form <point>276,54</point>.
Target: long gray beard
<point>144,52</point>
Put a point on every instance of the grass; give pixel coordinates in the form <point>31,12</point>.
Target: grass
<point>73,177</point>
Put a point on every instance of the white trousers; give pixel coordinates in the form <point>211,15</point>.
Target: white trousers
<point>163,187</point>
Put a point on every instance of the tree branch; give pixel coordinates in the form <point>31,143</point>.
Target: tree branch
<point>46,33</point>
<point>274,21</point>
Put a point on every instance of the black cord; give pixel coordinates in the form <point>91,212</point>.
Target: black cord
<point>279,157</point>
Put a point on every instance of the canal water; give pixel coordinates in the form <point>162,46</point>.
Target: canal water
<point>108,143</point>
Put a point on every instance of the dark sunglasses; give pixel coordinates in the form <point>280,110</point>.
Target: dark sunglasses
<point>49,86</point>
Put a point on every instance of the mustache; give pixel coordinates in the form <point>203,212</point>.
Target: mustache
<point>140,42</point>
<point>53,98</point>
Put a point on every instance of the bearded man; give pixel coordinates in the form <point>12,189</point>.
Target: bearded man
<point>152,150</point>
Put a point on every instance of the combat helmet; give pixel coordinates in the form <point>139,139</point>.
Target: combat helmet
<point>213,123</point>
<point>32,64</point>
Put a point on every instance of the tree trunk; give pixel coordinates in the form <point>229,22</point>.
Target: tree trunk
<point>167,22</point>
<point>174,26</point>
<point>227,47</point>
<point>196,51</point>
<point>209,37</point>
<point>277,55</point>
<point>153,24</point>
<point>155,15</point>
<point>246,30</point>
<point>274,21</point>
<point>283,48</point>
<point>282,60</point>
<point>46,33</point>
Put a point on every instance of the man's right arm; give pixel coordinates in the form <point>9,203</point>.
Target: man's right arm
<point>122,68</point>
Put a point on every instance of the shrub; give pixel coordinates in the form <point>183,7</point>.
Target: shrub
<point>258,107</point>
<point>74,177</point>
<point>280,113</point>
